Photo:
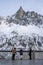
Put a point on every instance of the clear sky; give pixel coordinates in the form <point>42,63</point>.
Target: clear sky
<point>9,7</point>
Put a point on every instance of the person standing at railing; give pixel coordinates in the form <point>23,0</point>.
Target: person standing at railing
<point>13,53</point>
<point>21,53</point>
<point>30,54</point>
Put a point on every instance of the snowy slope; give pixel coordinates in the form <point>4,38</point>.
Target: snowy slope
<point>21,32</point>
<point>20,29</point>
<point>14,33</point>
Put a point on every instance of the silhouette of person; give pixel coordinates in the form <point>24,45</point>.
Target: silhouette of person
<point>13,53</point>
<point>30,54</point>
<point>21,53</point>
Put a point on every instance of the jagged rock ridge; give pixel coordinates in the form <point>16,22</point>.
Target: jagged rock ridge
<point>25,18</point>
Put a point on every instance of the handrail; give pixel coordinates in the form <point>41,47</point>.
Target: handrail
<point>18,51</point>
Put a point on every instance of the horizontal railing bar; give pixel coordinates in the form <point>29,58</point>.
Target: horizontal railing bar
<point>18,51</point>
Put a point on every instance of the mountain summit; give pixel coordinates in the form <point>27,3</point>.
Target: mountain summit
<point>25,18</point>
<point>20,13</point>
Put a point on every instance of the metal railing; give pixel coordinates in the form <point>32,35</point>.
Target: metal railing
<point>35,54</point>
<point>18,51</point>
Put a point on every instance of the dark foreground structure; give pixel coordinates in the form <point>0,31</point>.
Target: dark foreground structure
<point>21,62</point>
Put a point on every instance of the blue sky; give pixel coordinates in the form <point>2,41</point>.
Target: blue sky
<point>9,7</point>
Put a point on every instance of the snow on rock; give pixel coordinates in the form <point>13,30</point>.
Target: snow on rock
<point>16,31</point>
<point>21,31</point>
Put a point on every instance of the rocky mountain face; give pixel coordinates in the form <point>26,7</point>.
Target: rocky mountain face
<point>20,13</point>
<point>24,18</point>
<point>21,30</point>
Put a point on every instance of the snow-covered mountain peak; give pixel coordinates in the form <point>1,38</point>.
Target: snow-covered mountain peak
<point>22,29</point>
<point>25,18</point>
